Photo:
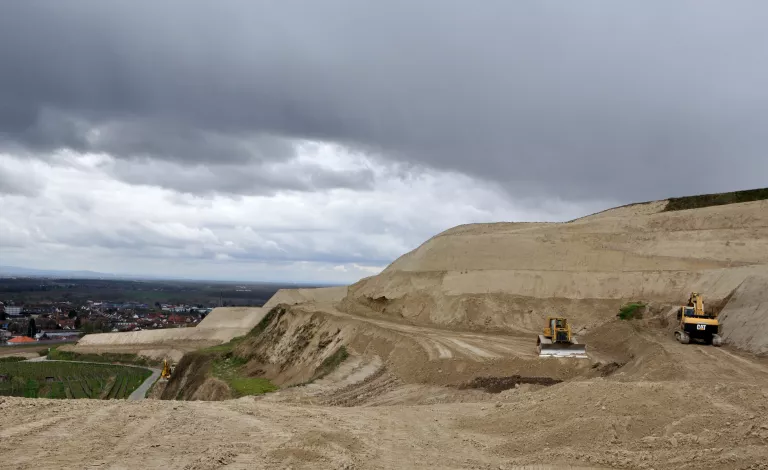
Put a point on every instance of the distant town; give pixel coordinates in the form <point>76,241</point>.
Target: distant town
<point>68,320</point>
<point>49,310</point>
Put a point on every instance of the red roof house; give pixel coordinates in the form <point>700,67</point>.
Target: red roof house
<point>21,339</point>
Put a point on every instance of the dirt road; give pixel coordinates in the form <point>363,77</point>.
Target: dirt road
<point>141,392</point>
<point>444,343</point>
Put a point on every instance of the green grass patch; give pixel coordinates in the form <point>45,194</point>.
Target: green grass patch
<point>110,358</point>
<point>230,369</point>
<point>69,379</point>
<point>718,199</point>
<point>251,386</point>
<point>631,311</point>
<point>12,359</point>
<point>57,390</point>
<point>31,388</point>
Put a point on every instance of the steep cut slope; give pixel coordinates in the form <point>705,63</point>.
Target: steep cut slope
<point>243,318</point>
<point>745,316</point>
<point>511,275</point>
<point>298,296</point>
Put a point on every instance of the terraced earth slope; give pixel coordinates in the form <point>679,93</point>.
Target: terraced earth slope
<point>442,370</point>
<point>511,275</point>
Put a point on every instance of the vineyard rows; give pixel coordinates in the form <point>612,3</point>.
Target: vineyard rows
<point>69,380</point>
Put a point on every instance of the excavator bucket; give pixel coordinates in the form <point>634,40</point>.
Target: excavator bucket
<point>547,348</point>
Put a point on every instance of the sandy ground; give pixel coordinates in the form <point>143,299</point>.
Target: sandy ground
<point>677,406</point>
<point>462,307</point>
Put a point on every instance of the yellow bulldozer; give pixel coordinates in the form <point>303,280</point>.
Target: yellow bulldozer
<point>559,341</point>
<point>696,324</point>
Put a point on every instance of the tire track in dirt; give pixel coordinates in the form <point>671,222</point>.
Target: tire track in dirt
<point>33,427</point>
<point>706,362</point>
<point>446,344</point>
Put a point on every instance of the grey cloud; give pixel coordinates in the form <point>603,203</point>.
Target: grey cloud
<point>568,99</point>
<point>145,138</point>
<point>253,179</point>
<point>17,183</point>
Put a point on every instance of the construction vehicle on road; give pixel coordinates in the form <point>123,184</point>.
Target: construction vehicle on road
<point>559,341</point>
<point>696,324</point>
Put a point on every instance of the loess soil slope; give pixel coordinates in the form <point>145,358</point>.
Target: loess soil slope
<point>432,363</point>
<point>511,275</point>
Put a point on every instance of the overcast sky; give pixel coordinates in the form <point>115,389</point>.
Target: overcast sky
<point>318,140</point>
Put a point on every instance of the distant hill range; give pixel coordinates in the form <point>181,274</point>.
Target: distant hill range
<point>7,271</point>
<point>16,271</point>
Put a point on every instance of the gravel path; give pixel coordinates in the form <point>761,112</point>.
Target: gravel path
<point>141,392</point>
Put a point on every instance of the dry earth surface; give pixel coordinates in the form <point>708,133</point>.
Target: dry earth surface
<point>442,371</point>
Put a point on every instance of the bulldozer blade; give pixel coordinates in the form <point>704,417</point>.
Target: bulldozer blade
<point>563,350</point>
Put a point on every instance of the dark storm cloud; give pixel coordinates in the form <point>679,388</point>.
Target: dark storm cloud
<point>572,99</point>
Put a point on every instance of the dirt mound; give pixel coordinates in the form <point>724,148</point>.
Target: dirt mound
<point>590,416</point>
<point>499,384</point>
<point>616,341</point>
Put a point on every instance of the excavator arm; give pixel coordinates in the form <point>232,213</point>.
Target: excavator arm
<point>697,303</point>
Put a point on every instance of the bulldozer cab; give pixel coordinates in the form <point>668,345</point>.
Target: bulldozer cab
<point>558,330</point>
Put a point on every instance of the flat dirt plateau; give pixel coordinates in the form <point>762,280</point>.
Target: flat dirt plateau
<point>442,370</point>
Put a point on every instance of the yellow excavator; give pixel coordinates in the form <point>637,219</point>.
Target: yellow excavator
<point>696,324</point>
<point>166,372</point>
<point>559,341</point>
